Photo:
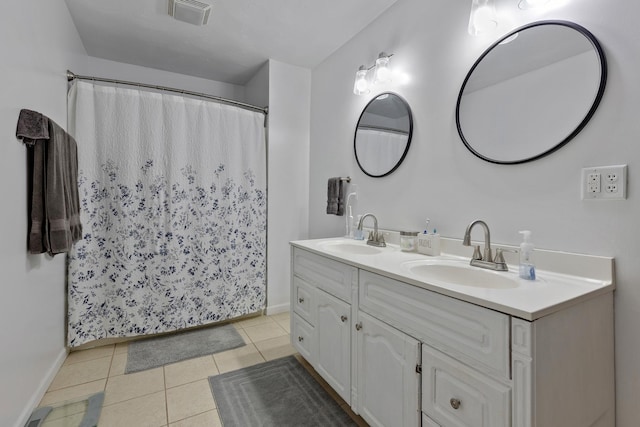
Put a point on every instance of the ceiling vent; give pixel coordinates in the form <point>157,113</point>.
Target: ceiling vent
<point>191,11</point>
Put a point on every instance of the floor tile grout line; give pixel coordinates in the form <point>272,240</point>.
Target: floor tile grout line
<point>131,398</point>
<point>76,385</point>
<point>67,363</point>
<point>191,382</point>
<point>113,353</point>
<point>193,415</point>
<point>166,396</point>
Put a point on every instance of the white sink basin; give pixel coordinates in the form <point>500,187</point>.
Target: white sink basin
<point>350,247</point>
<point>457,273</point>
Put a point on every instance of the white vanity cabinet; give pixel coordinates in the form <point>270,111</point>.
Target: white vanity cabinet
<point>323,316</point>
<point>371,365</point>
<point>404,355</point>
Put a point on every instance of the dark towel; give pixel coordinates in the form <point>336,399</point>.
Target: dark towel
<point>55,206</point>
<point>32,126</point>
<point>335,196</point>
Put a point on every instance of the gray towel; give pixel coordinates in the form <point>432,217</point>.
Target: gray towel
<point>335,196</point>
<point>55,207</point>
<point>32,126</point>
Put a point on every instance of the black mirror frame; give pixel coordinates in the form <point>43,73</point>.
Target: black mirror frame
<point>583,123</point>
<point>406,149</point>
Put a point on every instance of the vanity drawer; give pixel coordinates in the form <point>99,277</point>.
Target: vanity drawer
<point>455,395</point>
<point>331,276</point>
<point>302,338</point>
<point>470,333</point>
<point>304,300</point>
<point>428,422</point>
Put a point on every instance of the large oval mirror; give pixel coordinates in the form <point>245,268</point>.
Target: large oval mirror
<point>531,92</point>
<point>383,134</point>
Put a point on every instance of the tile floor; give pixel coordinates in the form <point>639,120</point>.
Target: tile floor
<point>176,395</point>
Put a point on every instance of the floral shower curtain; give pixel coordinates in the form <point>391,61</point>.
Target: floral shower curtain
<point>173,207</point>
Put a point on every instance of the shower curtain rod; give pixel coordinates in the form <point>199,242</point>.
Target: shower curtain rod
<point>265,110</point>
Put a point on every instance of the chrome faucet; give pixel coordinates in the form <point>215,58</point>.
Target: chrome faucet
<point>375,238</point>
<point>485,260</point>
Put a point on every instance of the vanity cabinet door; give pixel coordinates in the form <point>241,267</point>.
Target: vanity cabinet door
<point>388,384</point>
<point>333,343</point>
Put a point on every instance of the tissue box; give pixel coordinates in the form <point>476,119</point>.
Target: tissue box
<point>429,244</point>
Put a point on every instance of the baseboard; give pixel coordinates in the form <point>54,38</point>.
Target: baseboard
<point>280,308</point>
<point>38,394</point>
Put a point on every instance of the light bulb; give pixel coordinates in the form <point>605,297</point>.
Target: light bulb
<point>361,85</point>
<point>382,73</point>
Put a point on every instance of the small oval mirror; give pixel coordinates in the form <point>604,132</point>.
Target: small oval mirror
<point>531,92</point>
<point>383,135</point>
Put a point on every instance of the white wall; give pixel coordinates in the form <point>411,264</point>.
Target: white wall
<point>257,89</point>
<point>289,91</point>
<point>99,67</point>
<point>440,179</point>
<point>39,43</point>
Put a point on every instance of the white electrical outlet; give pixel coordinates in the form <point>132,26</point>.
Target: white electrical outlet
<point>593,182</point>
<point>604,182</point>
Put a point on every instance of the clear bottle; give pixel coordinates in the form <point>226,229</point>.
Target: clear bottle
<point>527,268</point>
<point>408,241</point>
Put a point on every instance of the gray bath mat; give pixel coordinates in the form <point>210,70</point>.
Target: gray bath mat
<point>151,353</point>
<point>275,394</point>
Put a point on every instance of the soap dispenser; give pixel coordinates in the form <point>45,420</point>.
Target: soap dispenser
<point>527,268</point>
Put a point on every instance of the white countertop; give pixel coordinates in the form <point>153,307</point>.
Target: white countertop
<point>562,279</point>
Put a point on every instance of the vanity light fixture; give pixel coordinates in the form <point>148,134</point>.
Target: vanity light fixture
<point>377,73</point>
<point>361,85</point>
<point>382,71</point>
<point>483,17</point>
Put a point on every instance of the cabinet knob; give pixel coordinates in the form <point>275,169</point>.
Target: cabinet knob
<point>358,326</point>
<point>455,403</point>
<point>300,339</point>
<point>300,300</point>
<point>343,318</point>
